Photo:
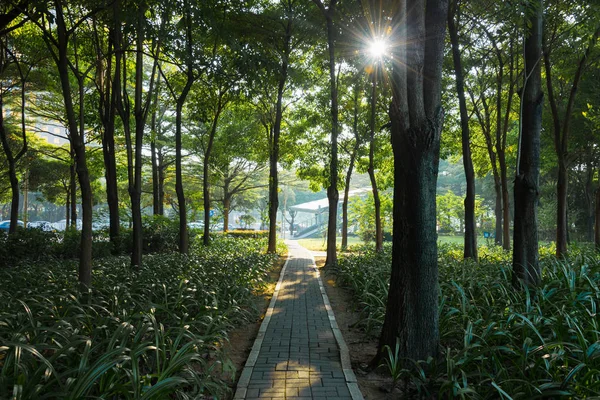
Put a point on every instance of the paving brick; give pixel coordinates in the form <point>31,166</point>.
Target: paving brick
<point>299,358</point>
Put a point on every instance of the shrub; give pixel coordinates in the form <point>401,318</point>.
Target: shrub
<point>497,342</point>
<point>152,332</point>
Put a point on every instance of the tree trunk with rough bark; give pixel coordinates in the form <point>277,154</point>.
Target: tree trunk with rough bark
<point>274,145</point>
<point>350,168</point>
<point>526,269</point>
<point>416,115</point>
<point>470,239</point>
<point>597,225</point>
<point>206,171</point>
<point>332,190</point>
<point>62,62</point>
<point>371,169</point>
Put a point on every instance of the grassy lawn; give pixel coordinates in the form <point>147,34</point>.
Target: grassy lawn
<point>318,244</point>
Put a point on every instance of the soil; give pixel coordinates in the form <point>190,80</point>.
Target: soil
<point>241,339</point>
<point>374,385</point>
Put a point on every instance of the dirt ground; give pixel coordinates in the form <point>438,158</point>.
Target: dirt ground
<point>373,385</point>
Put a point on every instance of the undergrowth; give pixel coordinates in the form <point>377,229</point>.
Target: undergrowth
<point>153,332</point>
<point>496,342</point>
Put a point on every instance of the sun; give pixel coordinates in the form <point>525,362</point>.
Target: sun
<point>377,48</point>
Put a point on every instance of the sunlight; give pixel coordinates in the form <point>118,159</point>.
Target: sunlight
<point>377,48</point>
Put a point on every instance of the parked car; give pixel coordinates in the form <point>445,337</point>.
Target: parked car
<point>5,225</point>
<point>43,225</point>
<point>62,224</point>
<point>196,225</point>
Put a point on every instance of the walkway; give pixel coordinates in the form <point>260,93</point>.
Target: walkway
<point>299,352</point>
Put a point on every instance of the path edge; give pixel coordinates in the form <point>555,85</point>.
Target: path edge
<point>244,381</point>
<point>351,381</point>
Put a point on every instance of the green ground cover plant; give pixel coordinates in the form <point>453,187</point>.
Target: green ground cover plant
<point>154,332</point>
<point>497,342</point>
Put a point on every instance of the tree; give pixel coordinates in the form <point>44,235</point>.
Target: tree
<point>5,137</point>
<point>561,129</point>
<point>186,61</point>
<point>332,190</point>
<point>140,113</point>
<point>470,247</point>
<point>108,87</point>
<point>57,36</point>
<point>411,318</point>
<point>526,269</point>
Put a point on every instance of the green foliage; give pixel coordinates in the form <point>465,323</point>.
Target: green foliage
<point>160,235</point>
<point>498,342</point>
<point>243,234</point>
<point>147,333</point>
<point>362,214</point>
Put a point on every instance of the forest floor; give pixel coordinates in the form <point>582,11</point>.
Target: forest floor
<point>374,385</point>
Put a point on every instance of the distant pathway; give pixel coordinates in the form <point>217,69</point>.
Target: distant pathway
<point>299,352</point>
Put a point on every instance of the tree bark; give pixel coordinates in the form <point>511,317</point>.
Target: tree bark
<point>371,169</point>
<point>346,193</point>
<point>10,157</point>
<point>226,209</point>
<point>332,190</point>
<point>597,226</point>
<point>470,240</point>
<point>561,138</point>
<point>73,183</point>
<point>526,269</point>
<point>135,186</point>
<point>416,122</point>
<point>190,78</point>
<point>274,145</point>
<point>12,175</point>
<point>206,171</point>
<point>85,256</point>
<point>589,197</point>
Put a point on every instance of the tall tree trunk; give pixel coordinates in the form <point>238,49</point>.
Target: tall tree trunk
<point>161,183</point>
<point>561,208</point>
<point>416,115</point>
<point>135,187</point>
<point>68,209</point>
<point>206,171</point>
<point>350,169</point>
<point>10,157</point>
<point>597,226</point>
<point>526,269</point>
<point>153,155</point>
<point>183,228</point>
<point>589,197</point>
<point>498,211</point>
<point>470,247</point>
<point>332,190</point>
<point>108,115</point>
<point>371,169</point>
<point>85,256</point>
<point>274,145</point>
<point>73,183</point>
<point>561,138</point>
<point>346,196</point>
<point>226,210</point>
<point>183,231</point>
<point>12,174</point>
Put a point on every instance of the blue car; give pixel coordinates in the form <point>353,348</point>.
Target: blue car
<point>5,225</point>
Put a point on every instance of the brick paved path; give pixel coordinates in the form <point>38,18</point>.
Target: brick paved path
<point>299,352</point>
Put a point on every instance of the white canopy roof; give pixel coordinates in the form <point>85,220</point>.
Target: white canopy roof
<point>319,206</point>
